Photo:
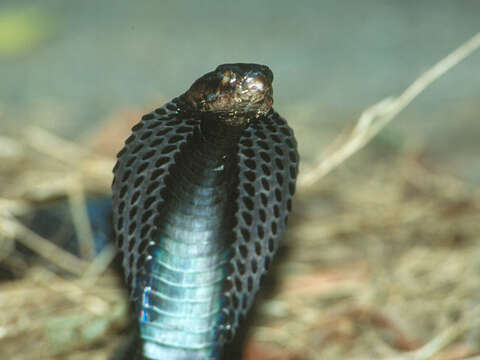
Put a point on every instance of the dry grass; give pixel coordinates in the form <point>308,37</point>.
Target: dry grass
<point>383,259</point>
<point>384,265</point>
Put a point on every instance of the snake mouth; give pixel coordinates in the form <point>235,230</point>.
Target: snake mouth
<point>236,90</point>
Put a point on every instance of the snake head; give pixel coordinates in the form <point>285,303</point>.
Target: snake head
<point>233,92</point>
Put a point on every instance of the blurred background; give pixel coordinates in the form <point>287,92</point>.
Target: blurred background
<point>382,253</point>
<point>67,66</point>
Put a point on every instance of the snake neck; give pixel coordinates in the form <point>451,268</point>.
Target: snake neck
<point>180,311</point>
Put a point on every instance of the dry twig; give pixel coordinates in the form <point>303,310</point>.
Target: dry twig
<point>377,116</point>
<point>12,228</point>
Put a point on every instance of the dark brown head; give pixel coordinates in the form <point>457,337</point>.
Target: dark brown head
<point>233,92</point>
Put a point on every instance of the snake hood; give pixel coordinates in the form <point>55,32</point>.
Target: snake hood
<point>201,194</point>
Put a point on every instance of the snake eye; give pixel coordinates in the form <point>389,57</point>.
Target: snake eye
<point>256,86</point>
<point>255,83</point>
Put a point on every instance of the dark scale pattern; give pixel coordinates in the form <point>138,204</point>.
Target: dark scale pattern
<point>144,162</point>
<point>268,167</point>
<point>201,195</point>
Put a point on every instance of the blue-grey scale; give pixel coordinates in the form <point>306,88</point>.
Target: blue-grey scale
<point>201,196</point>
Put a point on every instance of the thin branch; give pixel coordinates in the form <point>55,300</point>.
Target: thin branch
<point>445,338</point>
<point>49,144</point>
<point>377,116</point>
<point>101,262</point>
<point>61,258</point>
<point>76,199</point>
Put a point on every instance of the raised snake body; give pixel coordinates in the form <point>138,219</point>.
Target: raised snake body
<point>201,195</point>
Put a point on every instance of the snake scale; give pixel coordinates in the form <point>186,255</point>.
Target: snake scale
<point>201,194</point>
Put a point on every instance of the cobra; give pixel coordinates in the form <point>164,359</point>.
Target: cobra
<point>201,195</point>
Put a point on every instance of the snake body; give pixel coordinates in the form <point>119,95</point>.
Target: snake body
<point>201,194</point>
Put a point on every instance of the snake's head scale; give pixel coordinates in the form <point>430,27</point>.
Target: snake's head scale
<point>235,93</point>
